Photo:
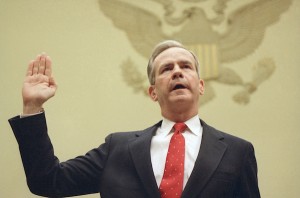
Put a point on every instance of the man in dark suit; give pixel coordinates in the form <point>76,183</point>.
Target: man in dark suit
<point>135,164</point>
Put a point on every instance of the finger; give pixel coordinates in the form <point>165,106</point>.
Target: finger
<point>48,66</point>
<point>30,68</point>
<point>42,64</point>
<point>36,64</point>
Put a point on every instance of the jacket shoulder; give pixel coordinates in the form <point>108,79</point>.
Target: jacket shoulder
<point>128,135</point>
<point>224,136</point>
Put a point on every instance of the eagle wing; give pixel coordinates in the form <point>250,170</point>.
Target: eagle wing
<point>246,27</point>
<point>143,29</point>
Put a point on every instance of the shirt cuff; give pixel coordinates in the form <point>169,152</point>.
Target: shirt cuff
<point>33,114</point>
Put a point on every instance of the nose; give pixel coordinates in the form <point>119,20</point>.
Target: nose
<point>177,73</point>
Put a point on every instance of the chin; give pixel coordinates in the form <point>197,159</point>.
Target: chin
<point>181,99</point>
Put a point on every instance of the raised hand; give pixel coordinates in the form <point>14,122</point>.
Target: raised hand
<point>39,85</point>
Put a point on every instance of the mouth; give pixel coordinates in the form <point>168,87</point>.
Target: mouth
<point>179,86</point>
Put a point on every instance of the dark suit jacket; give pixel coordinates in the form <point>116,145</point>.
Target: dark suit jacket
<point>121,167</point>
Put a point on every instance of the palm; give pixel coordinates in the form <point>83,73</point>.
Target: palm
<point>38,85</point>
<point>37,88</point>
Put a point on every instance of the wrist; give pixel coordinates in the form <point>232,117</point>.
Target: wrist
<point>29,109</point>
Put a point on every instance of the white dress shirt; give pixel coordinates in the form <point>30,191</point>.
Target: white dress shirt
<point>160,144</point>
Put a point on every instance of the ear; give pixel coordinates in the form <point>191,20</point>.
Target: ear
<point>201,87</point>
<point>152,93</point>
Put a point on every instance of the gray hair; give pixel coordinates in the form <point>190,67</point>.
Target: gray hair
<point>159,48</point>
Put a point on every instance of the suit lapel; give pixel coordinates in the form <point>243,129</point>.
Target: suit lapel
<point>210,154</point>
<point>140,152</point>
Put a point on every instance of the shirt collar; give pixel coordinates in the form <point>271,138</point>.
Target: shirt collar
<point>193,124</point>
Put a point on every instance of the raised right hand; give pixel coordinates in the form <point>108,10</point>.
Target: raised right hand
<point>39,85</point>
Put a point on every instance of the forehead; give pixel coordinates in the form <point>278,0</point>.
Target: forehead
<point>173,54</point>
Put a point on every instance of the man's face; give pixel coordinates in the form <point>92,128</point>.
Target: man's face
<point>176,79</point>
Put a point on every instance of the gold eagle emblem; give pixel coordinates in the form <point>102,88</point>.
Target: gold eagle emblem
<point>220,39</point>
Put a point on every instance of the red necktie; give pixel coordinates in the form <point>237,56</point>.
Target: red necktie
<point>172,182</point>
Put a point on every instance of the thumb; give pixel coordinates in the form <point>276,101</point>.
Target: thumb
<point>52,83</point>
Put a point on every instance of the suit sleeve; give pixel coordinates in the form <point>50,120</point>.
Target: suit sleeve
<point>248,185</point>
<point>45,175</point>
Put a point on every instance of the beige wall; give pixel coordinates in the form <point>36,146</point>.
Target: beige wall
<point>87,50</point>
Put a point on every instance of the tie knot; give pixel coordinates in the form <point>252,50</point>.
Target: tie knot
<point>180,127</point>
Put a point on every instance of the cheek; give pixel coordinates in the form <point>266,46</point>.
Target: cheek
<point>197,86</point>
<point>161,89</point>
<point>161,82</point>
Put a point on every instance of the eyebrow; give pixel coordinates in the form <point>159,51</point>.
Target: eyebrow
<point>182,62</point>
<point>186,62</point>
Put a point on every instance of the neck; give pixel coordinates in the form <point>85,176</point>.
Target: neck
<point>179,115</point>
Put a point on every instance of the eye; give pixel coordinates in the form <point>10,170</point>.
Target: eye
<point>186,66</point>
<point>166,68</point>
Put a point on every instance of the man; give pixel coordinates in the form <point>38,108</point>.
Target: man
<point>208,163</point>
